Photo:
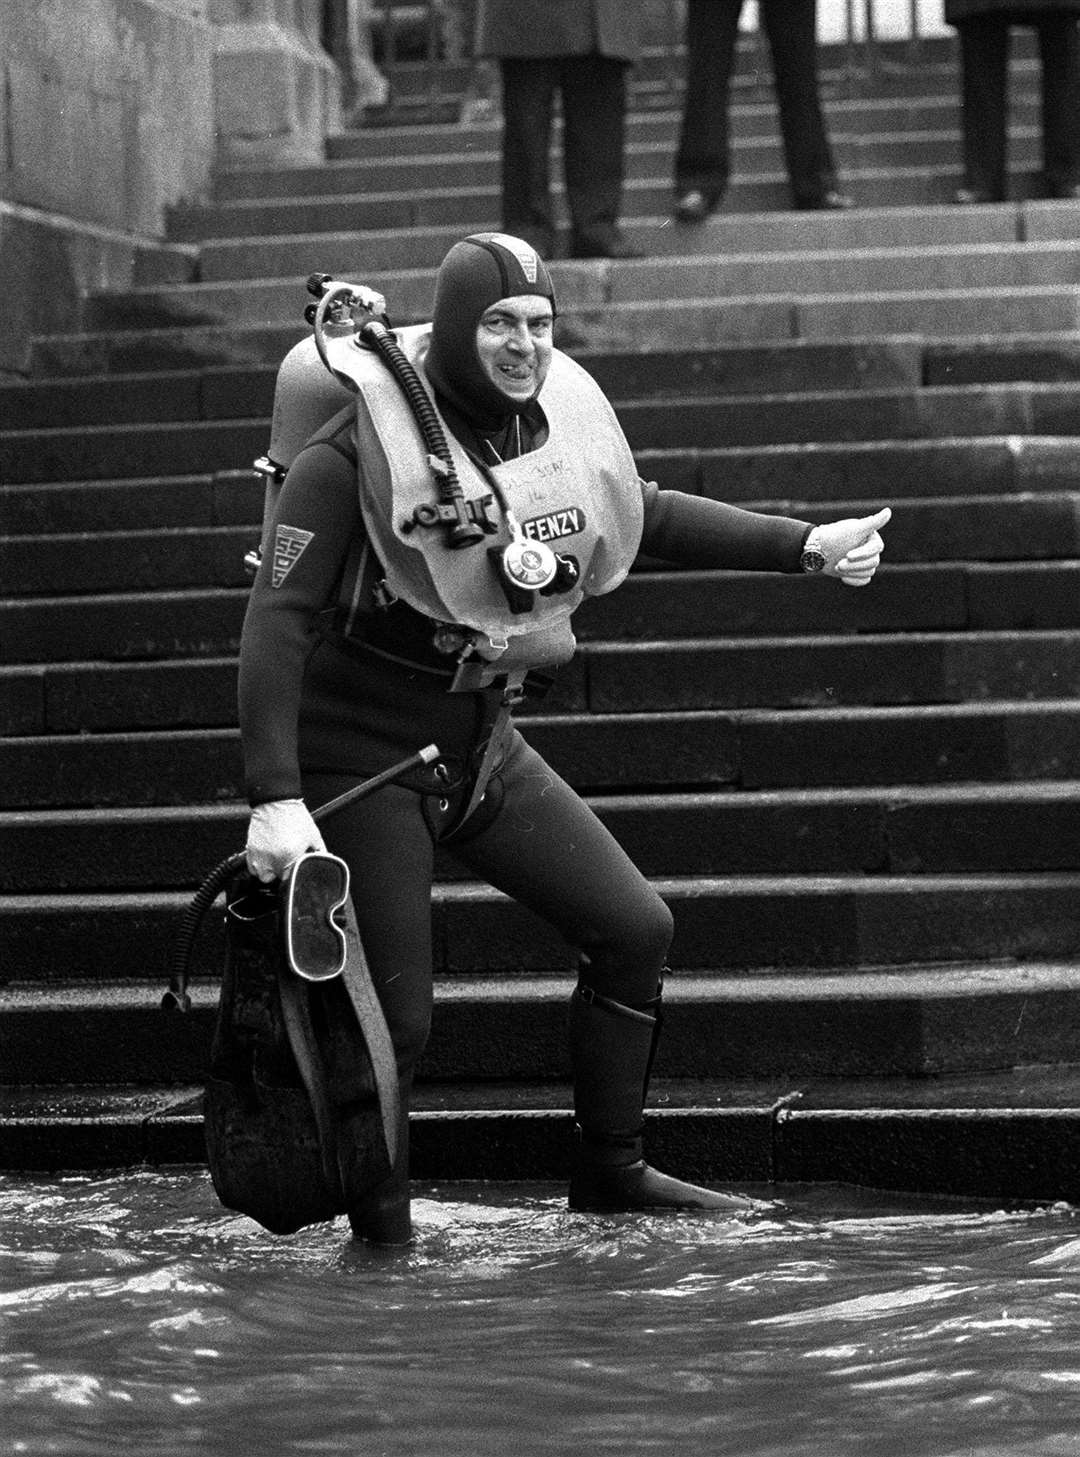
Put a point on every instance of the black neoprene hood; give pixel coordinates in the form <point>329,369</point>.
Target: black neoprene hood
<point>475,274</point>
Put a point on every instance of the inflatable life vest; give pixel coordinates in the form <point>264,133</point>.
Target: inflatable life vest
<point>579,493</point>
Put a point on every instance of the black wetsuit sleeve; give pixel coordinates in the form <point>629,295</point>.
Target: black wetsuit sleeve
<point>297,579</point>
<point>697,532</point>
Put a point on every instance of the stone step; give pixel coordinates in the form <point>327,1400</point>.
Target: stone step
<point>166,502</point>
<point>1011,1135</point>
<point>643,326</point>
<point>828,416</point>
<point>199,446</point>
<point>910,668</point>
<point>1022,309</point>
<point>978,597</point>
<point>870,1024</point>
<point>850,118</point>
<point>907,830</point>
<point>806,671</point>
<point>850,115</point>
<point>846,68</point>
<point>908,180</point>
<point>781,367</point>
<point>216,392</point>
<point>763,748</point>
<point>583,285</point>
<point>862,141</point>
<point>229,391</point>
<point>153,351</point>
<point>213,392</point>
<point>437,108</point>
<point>895,471</point>
<point>1045,527</point>
<point>352,252</point>
<point>423,91</point>
<point>622,324</point>
<point>798,479</point>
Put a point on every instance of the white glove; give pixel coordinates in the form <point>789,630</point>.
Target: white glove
<point>852,548</point>
<point>280,832</point>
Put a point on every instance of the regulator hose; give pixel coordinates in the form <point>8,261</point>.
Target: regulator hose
<point>461,531</point>
<point>177,998</point>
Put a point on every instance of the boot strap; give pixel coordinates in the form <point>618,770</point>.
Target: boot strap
<point>593,998</point>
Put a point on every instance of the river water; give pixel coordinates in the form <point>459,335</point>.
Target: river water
<point>138,1316</point>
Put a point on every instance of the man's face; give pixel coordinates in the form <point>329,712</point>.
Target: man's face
<point>513,340</point>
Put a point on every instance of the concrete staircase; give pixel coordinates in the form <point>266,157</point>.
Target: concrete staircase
<point>863,807</point>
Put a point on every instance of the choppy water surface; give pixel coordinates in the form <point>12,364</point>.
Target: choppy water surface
<point>140,1317</point>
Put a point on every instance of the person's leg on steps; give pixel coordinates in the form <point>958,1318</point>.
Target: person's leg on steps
<point>593,91</point>
<point>528,99</point>
<point>791,27</point>
<point>703,157</point>
<point>1059,48</point>
<point>984,60</point>
<point>542,845</point>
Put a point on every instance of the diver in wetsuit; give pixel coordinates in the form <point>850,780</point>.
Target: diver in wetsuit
<point>367,634</point>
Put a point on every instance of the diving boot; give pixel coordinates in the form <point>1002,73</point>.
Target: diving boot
<point>382,1215</point>
<point>612,1047</point>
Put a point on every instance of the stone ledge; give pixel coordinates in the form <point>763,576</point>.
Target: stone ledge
<point>1011,1136</point>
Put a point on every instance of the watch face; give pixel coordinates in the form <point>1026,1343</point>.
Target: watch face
<point>812,561</point>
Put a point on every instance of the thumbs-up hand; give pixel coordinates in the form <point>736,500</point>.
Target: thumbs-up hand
<point>852,548</point>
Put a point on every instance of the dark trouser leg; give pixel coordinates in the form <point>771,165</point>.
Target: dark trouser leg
<point>387,846</point>
<point>593,90</point>
<point>548,850</point>
<point>1059,46</point>
<point>791,27</point>
<point>528,88</point>
<point>984,59</point>
<point>702,160</point>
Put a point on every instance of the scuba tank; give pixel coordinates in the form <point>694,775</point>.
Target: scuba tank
<point>301,1103</point>
<point>314,382</point>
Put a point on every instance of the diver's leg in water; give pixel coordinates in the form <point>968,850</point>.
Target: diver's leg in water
<point>544,846</point>
<point>388,847</point>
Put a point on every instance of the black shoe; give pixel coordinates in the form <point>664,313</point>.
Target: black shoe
<point>828,201</point>
<point>615,248</point>
<point>606,1189</point>
<point>974,196</point>
<point>695,205</point>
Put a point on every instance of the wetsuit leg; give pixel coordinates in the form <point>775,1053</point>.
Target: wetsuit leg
<point>547,849</point>
<point>387,845</point>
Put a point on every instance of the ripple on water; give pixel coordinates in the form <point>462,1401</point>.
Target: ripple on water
<point>141,1317</point>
